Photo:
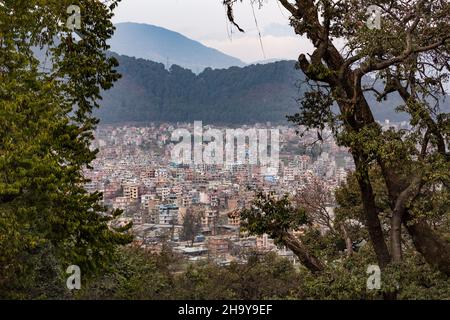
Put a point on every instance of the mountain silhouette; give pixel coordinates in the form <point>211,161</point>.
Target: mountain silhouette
<point>162,45</point>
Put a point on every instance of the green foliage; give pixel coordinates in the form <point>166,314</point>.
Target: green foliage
<point>315,111</point>
<point>192,225</point>
<point>257,93</point>
<point>136,274</point>
<point>141,275</point>
<point>347,279</point>
<point>145,276</point>
<point>272,216</point>
<point>412,278</point>
<point>149,92</point>
<point>348,197</point>
<point>45,133</point>
<point>262,277</point>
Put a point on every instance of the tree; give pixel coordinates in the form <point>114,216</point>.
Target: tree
<point>280,219</point>
<point>46,130</point>
<point>192,225</point>
<point>138,274</point>
<point>407,56</point>
<point>264,276</point>
<point>317,200</point>
<point>350,207</point>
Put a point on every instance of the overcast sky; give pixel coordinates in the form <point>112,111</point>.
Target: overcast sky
<point>205,21</point>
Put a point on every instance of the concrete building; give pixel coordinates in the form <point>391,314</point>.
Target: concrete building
<point>168,214</point>
<point>131,191</point>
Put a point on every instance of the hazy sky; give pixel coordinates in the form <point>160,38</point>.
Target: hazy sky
<point>205,21</point>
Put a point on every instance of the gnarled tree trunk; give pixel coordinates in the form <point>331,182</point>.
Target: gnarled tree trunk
<point>308,260</point>
<point>433,248</point>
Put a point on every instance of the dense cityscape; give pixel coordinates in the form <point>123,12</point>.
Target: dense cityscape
<point>227,157</point>
<point>195,209</point>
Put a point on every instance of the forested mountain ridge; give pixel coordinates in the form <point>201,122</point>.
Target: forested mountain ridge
<point>149,92</point>
<point>256,93</point>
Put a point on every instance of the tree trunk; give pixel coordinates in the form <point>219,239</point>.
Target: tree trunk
<point>309,261</point>
<point>347,85</point>
<point>396,238</point>
<point>348,241</point>
<point>371,214</point>
<point>434,249</point>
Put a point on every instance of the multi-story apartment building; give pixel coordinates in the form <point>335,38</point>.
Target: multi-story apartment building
<point>209,218</point>
<point>234,218</point>
<point>121,203</point>
<point>163,192</point>
<point>289,174</point>
<point>131,191</point>
<point>168,214</point>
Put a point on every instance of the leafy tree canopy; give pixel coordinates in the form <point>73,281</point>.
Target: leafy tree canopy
<point>46,128</point>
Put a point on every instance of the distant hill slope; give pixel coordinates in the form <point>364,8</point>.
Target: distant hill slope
<point>165,46</point>
<point>149,92</point>
<point>257,93</point>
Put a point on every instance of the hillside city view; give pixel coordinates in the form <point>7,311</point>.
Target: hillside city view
<point>135,173</point>
<point>224,158</point>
